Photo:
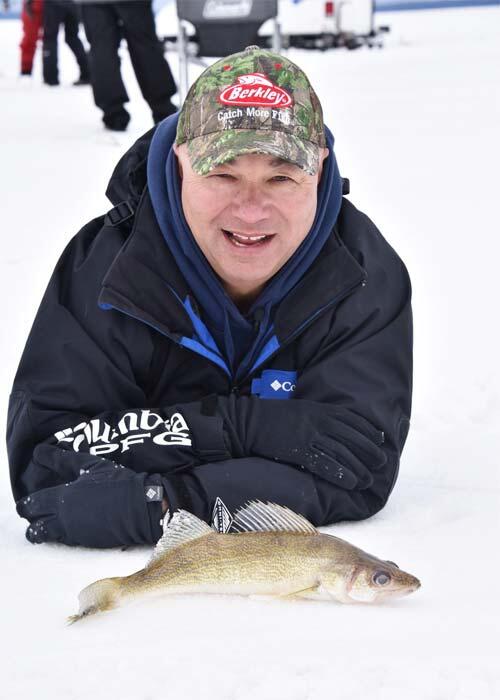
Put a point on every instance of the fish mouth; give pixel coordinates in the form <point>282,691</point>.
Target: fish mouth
<point>414,585</point>
<point>399,592</point>
<point>247,240</point>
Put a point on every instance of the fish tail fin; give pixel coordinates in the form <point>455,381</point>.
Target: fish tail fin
<point>98,597</point>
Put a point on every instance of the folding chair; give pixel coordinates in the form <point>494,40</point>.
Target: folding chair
<point>222,27</point>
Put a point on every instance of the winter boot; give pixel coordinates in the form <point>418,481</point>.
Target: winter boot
<point>116,121</point>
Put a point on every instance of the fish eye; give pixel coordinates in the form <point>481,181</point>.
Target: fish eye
<point>381,578</point>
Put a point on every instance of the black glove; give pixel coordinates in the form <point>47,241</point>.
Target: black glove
<point>107,506</point>
<point>333,443</point>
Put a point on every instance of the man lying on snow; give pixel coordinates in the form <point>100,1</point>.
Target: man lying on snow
<point>234,329</point>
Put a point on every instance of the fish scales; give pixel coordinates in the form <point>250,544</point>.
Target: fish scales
<point>237,559</point>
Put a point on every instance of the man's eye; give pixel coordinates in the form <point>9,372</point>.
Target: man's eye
<point>223,176</point>
<point>282,178</point>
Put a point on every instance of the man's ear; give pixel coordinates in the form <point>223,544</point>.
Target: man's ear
<point>323,155</point>
<point>176,151</point>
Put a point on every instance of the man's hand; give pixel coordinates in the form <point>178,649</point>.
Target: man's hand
<point>333,443</point>
<point>105,507</point>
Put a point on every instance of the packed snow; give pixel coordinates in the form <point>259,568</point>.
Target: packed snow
<point>417,132</point>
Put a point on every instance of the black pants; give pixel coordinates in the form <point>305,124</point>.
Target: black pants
<point>55,13</point>
<point>105,26</point>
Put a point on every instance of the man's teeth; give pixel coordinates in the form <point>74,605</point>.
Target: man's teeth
<point>241,240</point>
<point>240,237</point>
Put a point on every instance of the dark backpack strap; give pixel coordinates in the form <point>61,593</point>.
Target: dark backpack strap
<point>122,212</point>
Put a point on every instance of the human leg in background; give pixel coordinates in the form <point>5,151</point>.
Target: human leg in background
<point>71,26</point>
<point>52,19</point>
<point>102,27</point>
<point>146,52</point>
<point>32,19</point>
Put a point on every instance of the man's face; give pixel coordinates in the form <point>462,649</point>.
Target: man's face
<point>248,216</point>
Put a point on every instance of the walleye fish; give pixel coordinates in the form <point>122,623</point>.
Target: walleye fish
<point>272,551</point>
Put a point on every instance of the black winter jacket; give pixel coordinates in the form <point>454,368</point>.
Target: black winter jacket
<point>117,403</point>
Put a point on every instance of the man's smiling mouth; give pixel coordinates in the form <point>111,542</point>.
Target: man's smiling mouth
<point>244,241</point>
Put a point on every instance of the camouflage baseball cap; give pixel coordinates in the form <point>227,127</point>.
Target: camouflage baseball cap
<point>255,101</point>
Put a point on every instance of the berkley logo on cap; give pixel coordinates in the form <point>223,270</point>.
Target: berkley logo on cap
<point>255,90</point>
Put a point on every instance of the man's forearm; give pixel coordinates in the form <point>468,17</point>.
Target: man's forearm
<point>237,481</point>
<point>329,441</point>
<point>153,440</point>
<point>110,505</point>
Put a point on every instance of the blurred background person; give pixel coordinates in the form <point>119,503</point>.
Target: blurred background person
<point>106,23</point>
<point>55,14</point>
<point>32,23</point>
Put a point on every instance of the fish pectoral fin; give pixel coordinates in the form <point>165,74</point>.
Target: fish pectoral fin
<point>312,593</point>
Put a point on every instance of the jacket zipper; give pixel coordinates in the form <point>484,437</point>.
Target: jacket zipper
<point>236,387</point>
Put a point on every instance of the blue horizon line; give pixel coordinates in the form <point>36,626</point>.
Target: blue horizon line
<point>409,5</point>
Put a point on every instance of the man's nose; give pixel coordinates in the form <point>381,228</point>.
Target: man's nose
<point>251,204</point>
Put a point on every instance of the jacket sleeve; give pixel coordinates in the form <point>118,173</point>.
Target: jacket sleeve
<point>236,481</point>
<point>79,402</point>
<point>352,402</point>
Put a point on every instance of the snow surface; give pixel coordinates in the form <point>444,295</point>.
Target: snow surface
<point>416,127</point>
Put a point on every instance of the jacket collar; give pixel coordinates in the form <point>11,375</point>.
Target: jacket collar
<point>145,282</point>
<point>332,276</point>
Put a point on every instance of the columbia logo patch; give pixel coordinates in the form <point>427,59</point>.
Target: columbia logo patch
<point>154,493</point>
<point>275,384</point>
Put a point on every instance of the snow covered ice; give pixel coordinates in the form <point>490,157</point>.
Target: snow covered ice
<point>417,133</point>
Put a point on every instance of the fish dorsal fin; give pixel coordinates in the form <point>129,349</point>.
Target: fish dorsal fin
<point>181,528</point>
<point>269,517</point>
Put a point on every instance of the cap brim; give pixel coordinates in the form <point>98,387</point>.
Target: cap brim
<point>208,151</point>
